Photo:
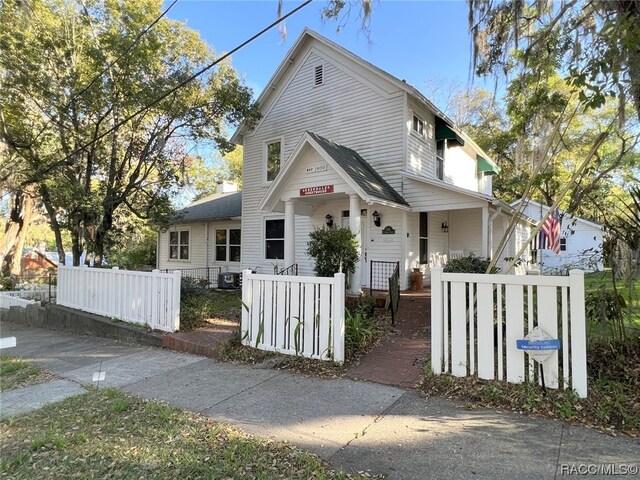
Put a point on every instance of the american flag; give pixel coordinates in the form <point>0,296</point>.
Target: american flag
<point>551,229</point>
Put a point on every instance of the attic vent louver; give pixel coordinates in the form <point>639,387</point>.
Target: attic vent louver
<point>318,78</point>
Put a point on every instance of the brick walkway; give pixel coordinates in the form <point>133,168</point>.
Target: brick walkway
<point>202,341</point>
<point>398,359</point>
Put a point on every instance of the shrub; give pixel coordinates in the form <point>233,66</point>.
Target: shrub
<point>469,264</point>
<point>196,304</point>
<point>605,307</point>
<point>333,249</point>
<point>359,332</point>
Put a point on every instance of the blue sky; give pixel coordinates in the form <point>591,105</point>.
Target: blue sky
<point>425,42</point>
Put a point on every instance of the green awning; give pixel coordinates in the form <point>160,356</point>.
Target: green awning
<point>486,167</point>
<point>445,132</point>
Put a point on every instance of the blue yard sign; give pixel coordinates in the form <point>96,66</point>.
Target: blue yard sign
<point>538,344</point>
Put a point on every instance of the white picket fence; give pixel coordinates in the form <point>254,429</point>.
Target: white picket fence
<point>146,298</point>
<point>14,299</point>
<point>294,315</point>
<point>476,320</point>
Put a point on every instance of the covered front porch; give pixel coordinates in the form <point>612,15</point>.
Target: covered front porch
<point>327,185</point>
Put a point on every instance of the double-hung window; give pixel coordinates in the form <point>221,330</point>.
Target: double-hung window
<point>228,245</point>
<point>440,145</point>
<point>418,125</point>
<point>424,238</point>
<point>179,245</point>
<point>274,239</point>
<point>273,159</point>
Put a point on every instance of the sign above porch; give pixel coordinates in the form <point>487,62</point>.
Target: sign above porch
<point>319,190</point>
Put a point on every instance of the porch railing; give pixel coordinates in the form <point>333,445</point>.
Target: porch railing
<point>290,270</point>
<point>205,276</point>
<point>379,275</point>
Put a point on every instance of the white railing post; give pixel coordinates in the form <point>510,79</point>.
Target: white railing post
<point>175,311</point>
<point>437,338</point>
<point>338,318</point>
<point>578,333</point>
<point>154,301</point>
<point>247,287</point>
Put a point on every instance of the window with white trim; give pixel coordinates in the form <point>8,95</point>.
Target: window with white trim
<point>417,125</point>
<point>274,239</point>
<point>273,153</point>
<point>440,146</point>
<point>228,245</point>
<point>563,244</point>
<point>179,245</point>
<point>424,238</point>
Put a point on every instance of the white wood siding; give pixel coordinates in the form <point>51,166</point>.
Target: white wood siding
<point>197,250</point>
<point>465,231</point>
<point>460,168</point>
<point>428,198</point>
<point>348,109</point>
<point>421,151</point>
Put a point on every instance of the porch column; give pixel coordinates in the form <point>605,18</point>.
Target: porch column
<point>485,232</point>
<point>289,234</point>
<point>354,226</point>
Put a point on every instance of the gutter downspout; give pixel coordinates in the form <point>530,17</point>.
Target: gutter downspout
<point>206,245</point>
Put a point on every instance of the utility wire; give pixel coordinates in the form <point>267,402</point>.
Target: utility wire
<point>167,93</point>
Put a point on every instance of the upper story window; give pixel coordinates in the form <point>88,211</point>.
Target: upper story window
<point>273,159</point>
<point>179,245</point>
<point>274,239</point>
<point>318,75</point>
<point>440,146</point>
<point>228,245</point>
<point>563,244</point>
<point>418,126</point>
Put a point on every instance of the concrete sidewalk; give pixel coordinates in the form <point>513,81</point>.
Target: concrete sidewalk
<point>354,425</point>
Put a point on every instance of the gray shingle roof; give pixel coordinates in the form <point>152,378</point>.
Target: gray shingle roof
<point>219,206</point>
<point>360,171</point>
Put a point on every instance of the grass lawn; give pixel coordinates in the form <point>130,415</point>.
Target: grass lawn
<point>110,434</point>
<point>15,373</point>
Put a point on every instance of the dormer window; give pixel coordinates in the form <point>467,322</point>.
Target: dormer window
<point>318,75</point>
<point>418,125</point>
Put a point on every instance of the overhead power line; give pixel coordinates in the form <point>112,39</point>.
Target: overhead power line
<point>167,93</point>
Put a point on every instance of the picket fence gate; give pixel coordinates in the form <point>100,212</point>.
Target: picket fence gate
<point>476,320</point>
<point>146,298</point>
<point>294,315</point>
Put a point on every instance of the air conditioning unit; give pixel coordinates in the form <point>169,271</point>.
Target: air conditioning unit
<point>229,280</point>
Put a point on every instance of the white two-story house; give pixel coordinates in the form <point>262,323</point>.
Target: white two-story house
<point>341,141</point>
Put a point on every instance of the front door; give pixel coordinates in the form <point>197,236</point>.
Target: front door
<point>364,239</point>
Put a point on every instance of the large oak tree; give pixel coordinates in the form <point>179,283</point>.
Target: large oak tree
<point>72,71</point>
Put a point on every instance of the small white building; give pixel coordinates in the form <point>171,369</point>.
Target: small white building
<point>581,243</point>
<point>205,233</point>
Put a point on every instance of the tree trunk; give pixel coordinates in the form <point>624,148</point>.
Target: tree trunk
<point>101,236</point>
<point>20,218</point>
<point>53,221</point>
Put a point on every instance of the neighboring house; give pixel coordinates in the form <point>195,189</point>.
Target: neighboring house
<point>581,243</point>
<point>35,263</point>
<point>342,141</point>
<point>205,233</point>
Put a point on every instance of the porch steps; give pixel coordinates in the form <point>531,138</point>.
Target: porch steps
<point>204,341</point>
